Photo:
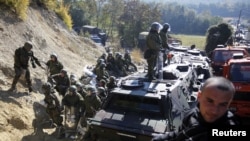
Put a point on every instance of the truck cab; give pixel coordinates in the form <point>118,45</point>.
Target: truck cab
<point>238,72</point>
<point>221,55</point>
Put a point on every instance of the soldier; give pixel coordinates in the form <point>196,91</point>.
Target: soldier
<point>63,82</point>
<point>102,93</point>
<point>102,73</point>
<point>111,62</point>
<point>111,83</point>
<point>154,44</point>
<point>21,64</point>
<point>128,61</point>
<point>81,89</point>
<point>53,105</point>
<point>164,38</point>
<point>92,102</point>
<point>54,66</point>
<point>120,63</point>
<point>73,103</point>
<point>103,56</point>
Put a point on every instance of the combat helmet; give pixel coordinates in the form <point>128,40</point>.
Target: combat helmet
<point>28,45</point>
<point>156,26</point>
<point>166,27</point>
<point>53,55</point>
<point>92,89</point>
<point>72,88</point>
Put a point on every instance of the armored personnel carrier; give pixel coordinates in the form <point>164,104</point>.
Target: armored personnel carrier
<point>139,108</point>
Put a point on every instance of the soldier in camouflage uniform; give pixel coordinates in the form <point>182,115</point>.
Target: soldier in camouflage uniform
<point>21,64</point>
<point>81,89</point>
<point>111,83</point>
<point>120,63</point>
<point>53,104</point>
<point>92,102</point>
<point>54,66</point>
<point>164,38</point>
<point>154,44</point>
<point>128,61</point>
<point>63,82</point>
<point>73,102</point>
<point>102,73</point>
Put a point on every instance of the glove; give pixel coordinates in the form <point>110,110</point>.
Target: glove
<point>160,137</point>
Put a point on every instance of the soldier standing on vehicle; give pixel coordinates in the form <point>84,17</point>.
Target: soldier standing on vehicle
<point>63,82</point>
<point>154,44</point>
<point>21,64</point>
<point>128,61</point>
<point>54,66</point>
<point>164,38</point>
<point>212,112</point>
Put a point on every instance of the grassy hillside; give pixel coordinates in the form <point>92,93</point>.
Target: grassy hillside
<point>188,40</point>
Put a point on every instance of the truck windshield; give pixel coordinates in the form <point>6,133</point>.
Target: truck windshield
<point>240,72</point>
<point>224,55</point>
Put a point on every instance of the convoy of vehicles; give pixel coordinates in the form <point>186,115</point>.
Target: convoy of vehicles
<point>221,55</point>
<point>238,71</point>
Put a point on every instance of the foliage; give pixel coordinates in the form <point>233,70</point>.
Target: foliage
<point>63,13</point>
<point>20,7</point>
<point>217,34</point>
<point>50,4</point>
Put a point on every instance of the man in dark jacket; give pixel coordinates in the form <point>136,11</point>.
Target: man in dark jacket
<point>154,44</point>
<point>211,112</point>
<point>63,82</point>
<point>21,64</point>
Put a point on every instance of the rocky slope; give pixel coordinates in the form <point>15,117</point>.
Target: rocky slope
<point>21,112</point>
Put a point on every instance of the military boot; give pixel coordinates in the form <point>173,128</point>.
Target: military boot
<point>13,86</point>
<point>30,89</point>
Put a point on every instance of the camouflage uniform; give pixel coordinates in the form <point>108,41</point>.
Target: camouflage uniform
<point>91,103</point>
<point>128,61</point>
<point>74,100</point>
<point>153,42</point>
<point>111,83</point>
<point>53,104</point>
<point>54,67</point>
<point>102,73</point>
<point>63,82</point>
<point>120,63</point>
<point>21,64</point>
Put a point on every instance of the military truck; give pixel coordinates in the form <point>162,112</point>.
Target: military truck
<point>238,71</point>
<point>139,108</point>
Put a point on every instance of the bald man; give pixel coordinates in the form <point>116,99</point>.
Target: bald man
<point>212,111</point>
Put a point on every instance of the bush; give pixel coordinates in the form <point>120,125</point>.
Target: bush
<point>63,13</point>
<point>20,7</point>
